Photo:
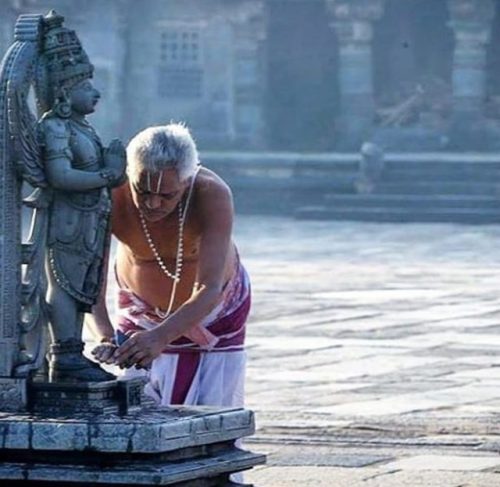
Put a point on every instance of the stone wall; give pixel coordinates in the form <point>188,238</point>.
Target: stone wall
<point>198,62</point>
<point>302,74</point>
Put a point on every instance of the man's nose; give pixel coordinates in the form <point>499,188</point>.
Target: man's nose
<point>153,202</point>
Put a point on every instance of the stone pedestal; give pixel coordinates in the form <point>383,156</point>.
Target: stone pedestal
<point>108,433</point>
<point>64,398</point>
<point>471,24</point>
<point>353,21</point>
<point>148,446</point>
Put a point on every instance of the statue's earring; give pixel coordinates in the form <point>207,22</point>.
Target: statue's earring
<point>62,106</point>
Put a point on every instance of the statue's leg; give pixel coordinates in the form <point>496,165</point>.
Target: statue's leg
<point>66,360</point>
<point>65,321</point>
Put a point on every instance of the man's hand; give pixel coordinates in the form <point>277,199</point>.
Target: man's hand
<point>140,349</point>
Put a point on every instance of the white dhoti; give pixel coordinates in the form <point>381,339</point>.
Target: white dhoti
<point>217,379</point>
<point>207,365</point>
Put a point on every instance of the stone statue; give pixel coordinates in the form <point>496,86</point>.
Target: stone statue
<point>61,155</point>
<point>370,168</point>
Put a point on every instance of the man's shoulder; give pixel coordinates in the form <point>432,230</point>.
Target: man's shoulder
<point>120,207</point>
<point>213,198</point>
<point>210,184</point>
<point>120,193</point>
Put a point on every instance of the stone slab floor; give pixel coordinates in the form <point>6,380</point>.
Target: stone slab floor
<point>374,353</point>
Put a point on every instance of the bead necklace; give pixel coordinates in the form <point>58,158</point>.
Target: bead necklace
<point>176,277</point>
<point>180,246</point>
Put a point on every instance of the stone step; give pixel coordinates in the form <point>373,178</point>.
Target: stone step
<point>463,175</point>
<point>412,187</point>
<point>399,215</point>
<point>436,187</point>
<point>205,471</point>
<point>436,165</point>
<point>329,181</point>
<point>391,201</point>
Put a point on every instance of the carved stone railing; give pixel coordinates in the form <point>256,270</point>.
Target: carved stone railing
<point>21,297</point>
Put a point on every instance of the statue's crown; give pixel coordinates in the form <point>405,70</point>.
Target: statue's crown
<point>66,60</point>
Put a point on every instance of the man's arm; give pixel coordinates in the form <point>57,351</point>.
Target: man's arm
<point>217,221</point>
<point>99,322</point>
<point>216,207</point>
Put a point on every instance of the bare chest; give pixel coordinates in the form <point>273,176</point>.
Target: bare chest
<point>164,239</point>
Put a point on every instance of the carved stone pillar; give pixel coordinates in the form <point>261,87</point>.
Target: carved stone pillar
<point>353,22</point>
<point>471,22</point>
<point>249,31</point>
<point>15,71</point>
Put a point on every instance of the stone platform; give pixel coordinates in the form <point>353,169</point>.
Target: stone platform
<point>149,446</point>
<point>374,353</point>
<point>412,187</point>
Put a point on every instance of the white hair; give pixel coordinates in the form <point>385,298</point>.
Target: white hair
<point>158,148</point>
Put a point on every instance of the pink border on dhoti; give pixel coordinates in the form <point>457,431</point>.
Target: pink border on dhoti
<point>222,330</point>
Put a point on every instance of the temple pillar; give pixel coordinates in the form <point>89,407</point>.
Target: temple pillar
<point>353,22</point>
<point>248,22</point>
<point>471,21</point>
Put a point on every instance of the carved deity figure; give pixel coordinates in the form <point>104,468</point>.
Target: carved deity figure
<point>67,161</point>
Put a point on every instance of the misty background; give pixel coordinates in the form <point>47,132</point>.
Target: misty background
<point>379,110</point>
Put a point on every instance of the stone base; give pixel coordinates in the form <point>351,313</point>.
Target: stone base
<point>116,396</point>
<point>204,468</point>
<point>150,446</point>
<point>13,395</point>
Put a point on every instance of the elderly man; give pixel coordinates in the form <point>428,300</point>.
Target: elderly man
<point>184,295</point>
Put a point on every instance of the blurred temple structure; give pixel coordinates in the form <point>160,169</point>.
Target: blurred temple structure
<point>303,77</point>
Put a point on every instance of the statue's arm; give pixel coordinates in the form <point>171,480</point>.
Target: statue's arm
<point>58,156</point>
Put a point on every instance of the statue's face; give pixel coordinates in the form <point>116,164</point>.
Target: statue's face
<point>158,194</point>
<point>84,97</point>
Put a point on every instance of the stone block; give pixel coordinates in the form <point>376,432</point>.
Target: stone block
<point>150,430</point>
<point>150,446</point>
<point>16,434</point>
<point>116,396</point>
<point>56,435</point>
<point>205,471</point>
<point>13,396</point>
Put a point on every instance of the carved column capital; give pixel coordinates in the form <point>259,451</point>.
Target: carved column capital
<point>471,11</point>
<point>249,15</point>
<point>353,19</point>
<point>471,22</point>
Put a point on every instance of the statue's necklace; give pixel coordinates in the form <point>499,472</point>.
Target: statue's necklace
<point>176,277</point>
<point>87,129</point>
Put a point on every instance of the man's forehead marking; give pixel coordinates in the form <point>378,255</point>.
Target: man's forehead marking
<point>148,176</point>
<point>158,183</point>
